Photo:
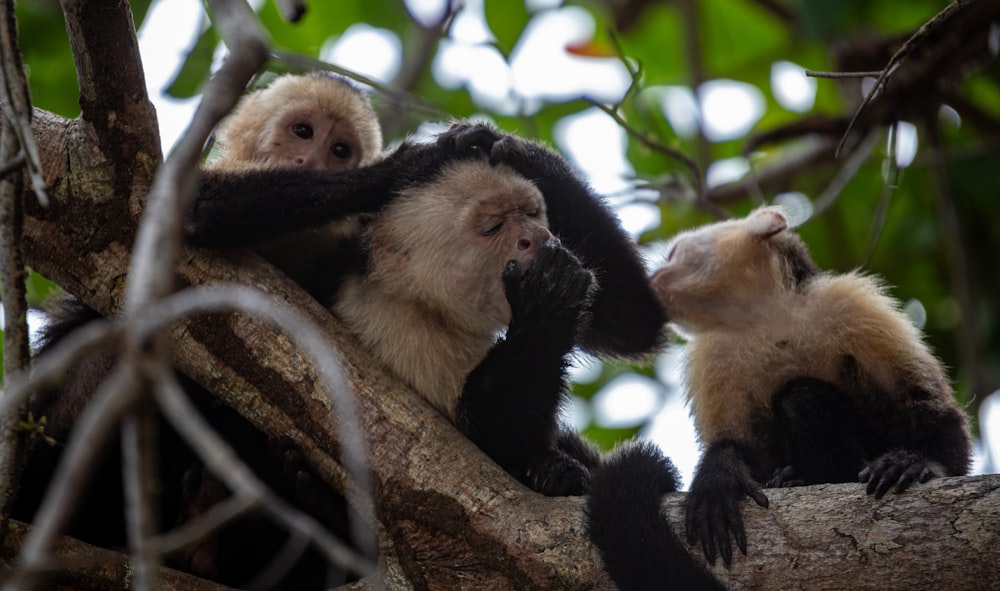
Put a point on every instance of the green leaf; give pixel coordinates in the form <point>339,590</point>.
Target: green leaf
<point>197,66</point>
<point>507,20</point>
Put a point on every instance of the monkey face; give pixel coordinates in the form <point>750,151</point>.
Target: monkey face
<point>317,122</point>
<point>308,137</point>
<point>446,243</point>
<point>718,274</point>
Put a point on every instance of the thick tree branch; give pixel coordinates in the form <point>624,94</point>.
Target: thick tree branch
<point>449,518</point>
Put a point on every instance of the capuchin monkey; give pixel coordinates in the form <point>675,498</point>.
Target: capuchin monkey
<point>797,376</point>
<point>316,121</point>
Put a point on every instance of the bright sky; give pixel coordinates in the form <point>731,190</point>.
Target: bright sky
<point>539,69</point>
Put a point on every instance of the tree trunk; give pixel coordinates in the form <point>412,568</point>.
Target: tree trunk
<point>449,518</point>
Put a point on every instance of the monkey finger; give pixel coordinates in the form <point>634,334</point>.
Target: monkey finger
<point>881,485</point>
<point>908,477</point>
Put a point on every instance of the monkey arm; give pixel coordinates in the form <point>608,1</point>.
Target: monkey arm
<point>626,318</point>
<point>712,507</point>
<point>247,207</point>
<point>510,400</point>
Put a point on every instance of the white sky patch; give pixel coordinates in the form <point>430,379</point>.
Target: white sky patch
<point>543,69</point>
<point>906,143</point>
<point>376,53</point>
<point>728,170</point>
<point>164,39</point>
<point>674,432</point>
<point>482,68</point>
<point>596,145</point>
<point>626,401</point>
<point>637,217</point>
<point>681,108</point>
<point>791,87</point>
<point>730,108</point>
<point>989,424</point>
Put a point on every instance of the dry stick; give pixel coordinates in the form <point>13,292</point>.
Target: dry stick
<point>309,339</point>
<point>16,105</point>
<point>223,461</point>
<point>158,240</point>
<point>837,75</point>
<point>16,352</point>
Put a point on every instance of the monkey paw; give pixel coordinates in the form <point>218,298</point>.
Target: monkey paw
<point>557,474</point>
<point>784,478</point>
<point>469,139</point>
<point>898,469</point>
<point>554,290</point>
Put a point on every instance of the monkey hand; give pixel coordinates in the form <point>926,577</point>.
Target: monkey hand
<point>898,469</point>
<point>552,293</point>
<point>557,474</point>
<point>712,507</point>
<point>784,478</point>
<point>469,139</point>
<point>532,160</point>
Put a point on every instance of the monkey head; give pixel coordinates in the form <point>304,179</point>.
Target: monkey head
<point>315,121</point>
<point>468,224</point>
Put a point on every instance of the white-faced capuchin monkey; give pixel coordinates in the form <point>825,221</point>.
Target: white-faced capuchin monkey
<point>316,121</point>
<point>796,377</point>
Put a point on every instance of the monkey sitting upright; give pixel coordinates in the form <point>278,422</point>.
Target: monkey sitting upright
<point>794,377</point>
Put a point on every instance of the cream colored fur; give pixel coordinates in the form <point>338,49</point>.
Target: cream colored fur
<point>751,332</point>
<point>433,301</point>
<point>259,130</point>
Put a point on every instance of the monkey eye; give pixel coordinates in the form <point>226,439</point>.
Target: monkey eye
<point>342,151</point>
<point>492,230</point>
<point>670,255</point>
<point>533,213</point>
<point>302,130</point>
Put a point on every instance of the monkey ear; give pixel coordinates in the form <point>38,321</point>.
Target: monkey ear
<point>766,222</point>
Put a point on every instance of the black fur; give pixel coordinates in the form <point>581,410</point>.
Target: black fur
<point>817,436</point>
<point>639,549</point>
<point>625,317</point>
<point>510,402</point>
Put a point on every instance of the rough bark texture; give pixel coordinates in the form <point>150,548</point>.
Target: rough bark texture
<point>448,517</point>
<point>86,568</point>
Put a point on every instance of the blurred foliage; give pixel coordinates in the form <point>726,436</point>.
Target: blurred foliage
<point>738,40</point>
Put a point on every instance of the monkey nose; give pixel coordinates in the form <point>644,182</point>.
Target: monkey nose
<point>524,244</point>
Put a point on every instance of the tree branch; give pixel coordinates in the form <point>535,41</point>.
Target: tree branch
<point>450,519</point>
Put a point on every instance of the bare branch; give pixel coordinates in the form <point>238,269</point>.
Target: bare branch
<point>837,75</point>
<point>93,430</point>
<point>15,103</point>
<point>16,354</point>
<point>223,461</point>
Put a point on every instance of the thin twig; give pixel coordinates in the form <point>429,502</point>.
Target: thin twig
<point>15,103</point>
<point>673,153</point>
<point>815,74</point>
<point>223,461</point>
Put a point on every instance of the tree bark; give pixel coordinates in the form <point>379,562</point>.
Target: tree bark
<point>449,518</point>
